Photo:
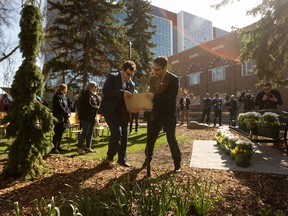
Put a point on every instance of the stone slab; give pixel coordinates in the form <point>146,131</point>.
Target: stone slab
<point>207,154</point>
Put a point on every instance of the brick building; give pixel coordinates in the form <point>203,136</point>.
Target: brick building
<point>215,66</point>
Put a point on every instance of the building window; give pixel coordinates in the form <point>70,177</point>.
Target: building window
<point>218,73</point>
<point>194,78</point>
<point>247,68</point>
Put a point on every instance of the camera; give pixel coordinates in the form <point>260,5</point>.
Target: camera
<point>270,95</point>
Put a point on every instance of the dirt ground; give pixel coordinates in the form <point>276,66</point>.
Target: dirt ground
<point>244,193</point>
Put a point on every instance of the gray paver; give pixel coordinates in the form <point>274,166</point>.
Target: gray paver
<point>207,154</point>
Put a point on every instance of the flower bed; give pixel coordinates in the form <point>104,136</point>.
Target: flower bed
<point>267,124</point>
<point>240,150</point>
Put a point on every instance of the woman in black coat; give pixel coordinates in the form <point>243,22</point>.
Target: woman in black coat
<point>61,112</point>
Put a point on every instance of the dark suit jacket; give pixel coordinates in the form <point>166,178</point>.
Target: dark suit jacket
<point>164,101</point>
<point>268,104</point>
<point>113,100</point>
<point>187,105</point>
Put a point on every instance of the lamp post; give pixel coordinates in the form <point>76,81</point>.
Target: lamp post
<point>130,50</point>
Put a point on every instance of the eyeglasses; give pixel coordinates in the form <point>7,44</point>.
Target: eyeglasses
<point>157,69</point>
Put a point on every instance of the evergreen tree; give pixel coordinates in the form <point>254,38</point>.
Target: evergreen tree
<point>30,121</point>
<point>140,32</point>
<point>86,37</point>
<point>266,42</point>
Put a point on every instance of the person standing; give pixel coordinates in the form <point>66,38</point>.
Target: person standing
<point>87,109</point>
<point>217,104</point>
<point>61,112</point>
<point>134,115</point>
<point>233,110</point>
<point>248,100</point>
<point>184,107</point>
<point>207,103</point>
<point>268,98</point>
<point>5,103</point>
<point>163,92</point>
<point>117,87</point>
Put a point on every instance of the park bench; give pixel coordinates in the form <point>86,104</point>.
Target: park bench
<point>281,136</point>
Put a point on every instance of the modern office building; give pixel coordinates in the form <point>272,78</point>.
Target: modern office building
<point>163,37</point>
<point>186,31</point>
<point>192,30</point>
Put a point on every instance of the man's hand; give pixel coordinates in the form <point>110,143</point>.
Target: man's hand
<point>265,97</point>
<point>274,99</point>
<point>127,94</point>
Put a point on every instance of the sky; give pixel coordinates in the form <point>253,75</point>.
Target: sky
<point>225,17</point>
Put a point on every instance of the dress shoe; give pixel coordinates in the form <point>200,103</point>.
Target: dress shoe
<point>80,151</point>
<point>89,150</point>
<point>108,163</point>
<point>125,164</point>
<point>177,170</point>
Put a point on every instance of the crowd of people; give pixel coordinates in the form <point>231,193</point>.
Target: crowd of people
<point>267,98</point>
<point>164,93</point>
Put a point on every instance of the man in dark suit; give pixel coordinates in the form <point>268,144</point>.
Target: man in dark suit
<point>268,98</point>
<point>163,91</point>
<point>117,87</point>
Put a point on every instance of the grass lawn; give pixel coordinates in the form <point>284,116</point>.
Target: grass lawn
<point>136,143</point>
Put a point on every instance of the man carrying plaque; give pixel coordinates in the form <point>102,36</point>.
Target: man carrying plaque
<point>163,92</point>
<point>117,87</point>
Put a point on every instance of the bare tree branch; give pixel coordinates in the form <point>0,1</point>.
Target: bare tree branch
<point>8,55</point>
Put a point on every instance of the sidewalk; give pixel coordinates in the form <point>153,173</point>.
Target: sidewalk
<point>207,154</point>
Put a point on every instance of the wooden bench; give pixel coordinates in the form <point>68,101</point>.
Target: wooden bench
<point>282,131</point>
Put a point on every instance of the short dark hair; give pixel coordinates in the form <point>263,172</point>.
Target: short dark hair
<point>161,61</point>
<point>267,84</point>
<point>129,65</point>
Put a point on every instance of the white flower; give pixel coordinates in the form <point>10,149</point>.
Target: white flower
<point>270,114</point>
<point>244,142</point>
<point>253,115</point>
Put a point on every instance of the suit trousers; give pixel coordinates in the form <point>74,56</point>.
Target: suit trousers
<point>206,113</point>
<point>169,123</point>
<point>132,117</point>
<point>184,114</point>
<point>118,137</point>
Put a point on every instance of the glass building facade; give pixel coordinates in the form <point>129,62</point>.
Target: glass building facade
<point>192,30</point>
<point>163,37</point>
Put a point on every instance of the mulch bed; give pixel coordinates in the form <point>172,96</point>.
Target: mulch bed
<point>244,193</point>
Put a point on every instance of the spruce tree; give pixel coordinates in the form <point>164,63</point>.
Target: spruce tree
<point>140,32</point>
<point>86,37</point>
<point>30,121</point>
<point>267,42</point>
